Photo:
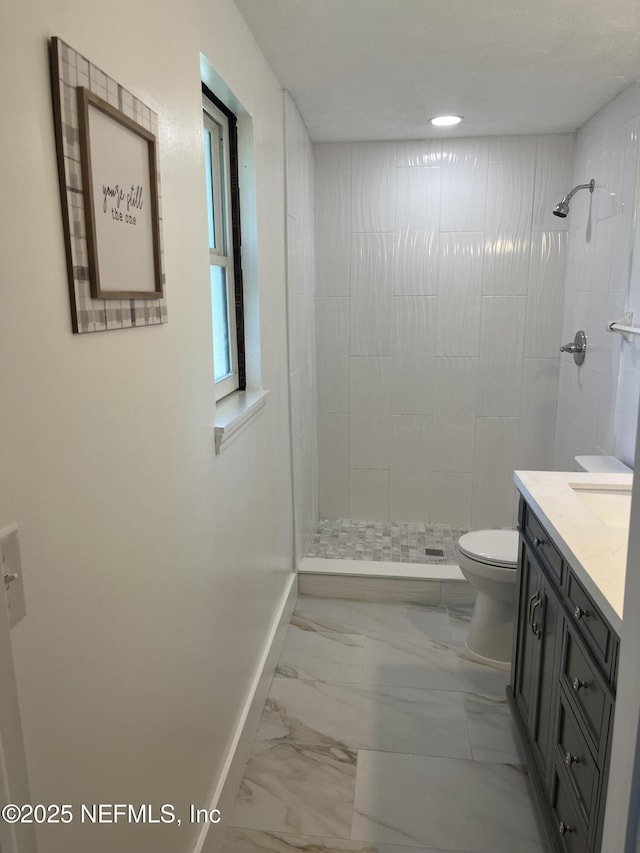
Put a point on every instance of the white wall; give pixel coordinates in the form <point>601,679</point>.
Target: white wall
<point>301,307</point>
<point>598,402</point>
<point>153,568</point>
<point>439,296</point>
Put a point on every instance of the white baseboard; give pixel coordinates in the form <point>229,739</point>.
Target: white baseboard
<point>224,797</point>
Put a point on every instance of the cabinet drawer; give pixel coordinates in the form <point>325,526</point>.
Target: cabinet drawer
<point>573,751</point>
<point>542,545</point>
<point>571,830</point>
<point>590,623</point>
<point>584,685</point>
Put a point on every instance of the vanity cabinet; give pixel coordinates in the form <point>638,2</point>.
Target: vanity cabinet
<point>562,690</point>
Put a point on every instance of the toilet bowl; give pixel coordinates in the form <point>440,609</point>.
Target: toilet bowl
<point>488,559</point>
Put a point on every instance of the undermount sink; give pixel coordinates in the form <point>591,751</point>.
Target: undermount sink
<point>611,504</point>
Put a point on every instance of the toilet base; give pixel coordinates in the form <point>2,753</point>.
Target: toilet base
<point>491,631</point>
<point>469,654</point>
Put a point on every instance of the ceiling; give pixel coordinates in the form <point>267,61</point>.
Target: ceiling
<point>379,69</point>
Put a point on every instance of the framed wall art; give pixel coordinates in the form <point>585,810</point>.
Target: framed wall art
<point>110,190</point>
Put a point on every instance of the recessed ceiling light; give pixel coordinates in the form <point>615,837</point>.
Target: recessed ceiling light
<point>445,121</point>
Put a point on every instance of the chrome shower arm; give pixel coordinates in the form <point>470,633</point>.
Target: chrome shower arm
<point>590,186</point>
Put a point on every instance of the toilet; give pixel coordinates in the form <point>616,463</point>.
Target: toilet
<point>488,560</point>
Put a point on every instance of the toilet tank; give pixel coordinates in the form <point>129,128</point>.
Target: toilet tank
<point>601,465</point>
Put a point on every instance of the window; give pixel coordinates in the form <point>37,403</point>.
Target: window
<point>223,211</point>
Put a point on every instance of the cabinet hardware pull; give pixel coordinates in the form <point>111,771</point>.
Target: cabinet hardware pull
<point>530,614</point>
<point>579,613</point>
<point>571,759</point>
<point>534,625</point>
<point>538,542</point>
<point>577,684</point>
<point>564,828</point>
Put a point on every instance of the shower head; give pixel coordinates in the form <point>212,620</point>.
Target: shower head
<point>562,208</point>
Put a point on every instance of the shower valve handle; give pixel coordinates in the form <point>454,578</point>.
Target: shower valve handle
<point>577,347</point>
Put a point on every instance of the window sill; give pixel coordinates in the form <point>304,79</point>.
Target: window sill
<point>235,413</point>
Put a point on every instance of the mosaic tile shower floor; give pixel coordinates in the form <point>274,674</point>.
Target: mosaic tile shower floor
<point>396,542</point>
<point>380,736</point>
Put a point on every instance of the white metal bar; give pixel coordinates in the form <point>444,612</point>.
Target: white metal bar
<point>629,330</point>
<point>625,326</point>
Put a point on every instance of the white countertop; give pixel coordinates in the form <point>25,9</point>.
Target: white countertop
<point>596,550</point>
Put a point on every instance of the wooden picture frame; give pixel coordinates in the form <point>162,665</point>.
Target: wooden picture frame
<point>109,288</point>
<point>115,214</point>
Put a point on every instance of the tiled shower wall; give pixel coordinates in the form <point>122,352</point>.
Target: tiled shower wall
<point>301,307</point>
<point>439,295</point>
<point>598,405</point>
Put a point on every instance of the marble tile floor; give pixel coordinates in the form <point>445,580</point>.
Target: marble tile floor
<point>395,541</point>
<point>380,736</point>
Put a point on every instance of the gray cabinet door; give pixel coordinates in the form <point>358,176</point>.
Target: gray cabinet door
<point>535,672</point>
<point>527,658</point>
<point>549,624</point>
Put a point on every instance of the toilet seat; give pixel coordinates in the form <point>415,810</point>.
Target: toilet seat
<point>492,547</point>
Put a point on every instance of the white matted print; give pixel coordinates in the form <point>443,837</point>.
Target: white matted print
<point>131,286</point>
<point>120,197</point>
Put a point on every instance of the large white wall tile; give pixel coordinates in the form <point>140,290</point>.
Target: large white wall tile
<point>554,176</point>
<point>465,164</point>
<point>599,270</point>
<point>500,360</point>
<point>538,413</point>
<point>410,491</point>
<point>452,499</point>
<point>332,329</point>
<point>436,338</point>
<point>623,236</point>
<point>545,297</point>
<point>371,286</point>
<point>611,163</point>
<point>627,415</point>
<point>459,294</point>
<point>333,241</point>
<point>609,385</point>
<point>590,384</point>
<point>333,466</point>
<point>496,441</point>
<point>567,446</point>
<point>369,495</point>
<point>373,167</point>
<point>453,443</point>
<point>508,229</point>
<point>413,350</point>
<point>416,229</point>
<point>424,152</point>
<point>512,150</point>
<point>370,393</point>
<point>456,386</point>
<point>592,407</point>
<point>599,339</point>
